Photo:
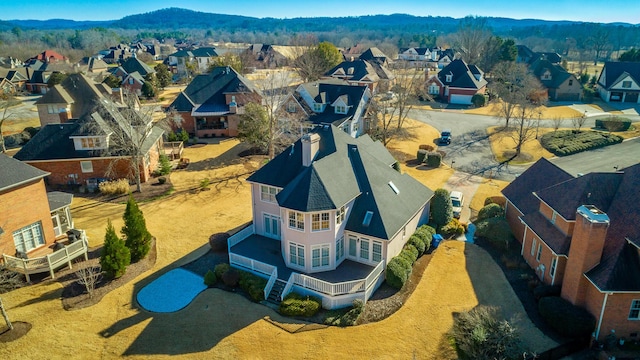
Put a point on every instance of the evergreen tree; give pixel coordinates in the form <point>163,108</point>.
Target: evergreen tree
<point>136,236</point>
<point>115,256</point>
<point>163,75</point>
<point>441,208</point>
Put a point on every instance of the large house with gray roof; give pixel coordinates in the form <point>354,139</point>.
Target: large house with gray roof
<point>328,213</point>
<point>620,82</point>
<point>581,233</point>
<point>180,61</point>
<point>457,82</point>
<point>211,105</point>
<point>560,84</point>
<point>32,218</point>
<point>372,74</point>
<point>330,101</point>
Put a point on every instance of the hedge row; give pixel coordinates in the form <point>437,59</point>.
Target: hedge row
<point>432,159</point>
<point>252,284</point>
<point>567,142</point>
<point>295,304</point>
<point>567,319</point>
<point>399,268</point>
<point>614,124</point>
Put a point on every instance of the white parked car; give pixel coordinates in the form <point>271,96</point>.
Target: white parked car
<point>457,200</point>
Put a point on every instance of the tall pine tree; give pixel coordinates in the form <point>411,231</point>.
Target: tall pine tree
<point>441,208</point>
<point>136,236</point>
<point>115,256</point>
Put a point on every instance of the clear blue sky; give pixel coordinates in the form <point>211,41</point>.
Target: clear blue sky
<point>578,10</point>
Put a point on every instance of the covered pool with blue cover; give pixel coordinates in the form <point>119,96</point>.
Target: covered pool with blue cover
<point>171,292</point>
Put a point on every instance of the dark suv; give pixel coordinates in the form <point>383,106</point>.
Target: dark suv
<point>445,137</point>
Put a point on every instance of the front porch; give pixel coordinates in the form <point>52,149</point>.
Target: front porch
<point>337,288</point>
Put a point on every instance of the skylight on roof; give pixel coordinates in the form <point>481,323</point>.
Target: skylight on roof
<point>367,218</point>
<point>394,187</point>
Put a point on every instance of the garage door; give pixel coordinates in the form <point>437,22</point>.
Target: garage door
<point>460,99</point>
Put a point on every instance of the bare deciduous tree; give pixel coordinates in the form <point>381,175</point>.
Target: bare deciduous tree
<point>471,38</point>
<point>513,85</point>
<point>88,277</point>
<point>578,122</point>
<point>5,315</point>
<point>5,103</point>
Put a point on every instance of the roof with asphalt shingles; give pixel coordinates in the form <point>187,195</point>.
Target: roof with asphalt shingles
<point>614,71</point>
<point>345,169</point>
<point>58,199</point>
<point>15,173</point>
<point>134,64</point>
<point>462,75</point>
<point>557,72</point>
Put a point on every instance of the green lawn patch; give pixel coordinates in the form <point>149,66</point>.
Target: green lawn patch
<point>567,142</point>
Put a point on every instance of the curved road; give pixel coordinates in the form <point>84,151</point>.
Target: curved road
<point>470,151</point>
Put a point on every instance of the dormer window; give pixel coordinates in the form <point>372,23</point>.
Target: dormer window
<point>317,107</point>
<point>340,109</point>
<point>291,107</point>
<point>546,76</point>
<point>449,77</point>
<point>350,71</point>
<point>626,84</point>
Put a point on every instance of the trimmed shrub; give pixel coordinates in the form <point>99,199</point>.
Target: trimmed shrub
<point>396,273</point>
<point>218,242</point>
<point>210,278</point>
<point>500,200</point>
<point>429,148</point>
<point>253,285</point>
<point>441,208</point>
<point>588,94</point>
<point>162,180</point>
<point>135,233</point>
<point>453,228</point>
<point>614,123</point>
<point>422,154</point>
<point>164,166</point>
<point>567,142</point>
<point>416,241</point>
<point>496,231</point>
<point>410,252</point>
<point>295,304</point>
<point>480,334</point>
<point>231,277</point>
<point>115,256</point>
<point>425,232</point>
<point>567,319</point>
<point>346,316</point>
<point>114,187</point>
<point>490,211</point>
<point>478,100</point>
<point>220,269</point>
<point>546,290</point>
<point>434,159</point>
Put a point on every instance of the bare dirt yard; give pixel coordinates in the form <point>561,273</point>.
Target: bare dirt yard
<point>223,325</point>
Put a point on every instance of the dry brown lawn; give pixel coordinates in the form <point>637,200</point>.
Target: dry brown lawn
<point>503,146</point>
<point>223,325</point>
<point>17,125</point>
<point>487,188</point>
<point>547,112</point>
<point>169,94</point>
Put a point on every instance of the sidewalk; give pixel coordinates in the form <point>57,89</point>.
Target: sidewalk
<point>468,185</point>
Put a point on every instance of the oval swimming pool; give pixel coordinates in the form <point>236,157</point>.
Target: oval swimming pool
<point>171,291</point>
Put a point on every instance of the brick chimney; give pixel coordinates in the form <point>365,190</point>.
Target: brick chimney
<point>310,147</point>
<point>585,252</point>
<point>233,106</point>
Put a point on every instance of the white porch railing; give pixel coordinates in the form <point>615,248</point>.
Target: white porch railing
<point>335,289</point>
<point>254,265</point>
<point>239,236</point>
<point>49,262</point>
<point>272,280</point>
<point>287,287</point>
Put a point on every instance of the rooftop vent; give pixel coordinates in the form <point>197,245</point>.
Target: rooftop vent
<point>394,187</point>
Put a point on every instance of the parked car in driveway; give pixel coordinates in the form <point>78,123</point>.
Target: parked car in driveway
<point>445,137</point>
<point>457,201</point>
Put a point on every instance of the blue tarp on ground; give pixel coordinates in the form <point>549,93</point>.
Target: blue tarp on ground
<point>171,291</point>
<point>435,240</point>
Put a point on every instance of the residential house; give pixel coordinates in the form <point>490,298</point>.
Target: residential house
<point>212,103</point>
<point>375,55</point>
<point>95,146</point>
<point>75,97</point>
<point>17,78</point>
<point>133,82</point>
<point>330,101</point>
<point>48,56</point>
<point>200,58</point>
<point>424,57</point>
<point>363,73</point>
<point>7,87</point>
<point>266,56</point>
<point>134,64</point>
<point>93,65</point>
<point>35,218</point>
<point>620,82</point>
<point>37,83</point>
<point>328,213</point>
<point>559,83</point>
<point>457,82</point>
<point>581,233</point>
<point>528,56</point>
<point>117,54</point>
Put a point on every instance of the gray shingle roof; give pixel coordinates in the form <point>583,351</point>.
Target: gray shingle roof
<point>332,90</point>
<point>612,72</point>
<point>59,199</point>
<point>134,64</point>
<point>462,76</point>
<point>558,73</point>
<point>355,70</point>
<point>15,173</point>
<point>76,89</point>
<point>345,169</point>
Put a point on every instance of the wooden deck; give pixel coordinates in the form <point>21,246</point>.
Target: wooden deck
<point>49,262</point>
<point>173,149</point>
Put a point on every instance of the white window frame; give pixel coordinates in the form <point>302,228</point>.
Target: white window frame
<point>434,89</point>
<point>553,217</point>
<point>552,268</point>
<point>539,252</point>
<point>268,221</point>
<point>634,310</point>
<point>29,237</point>
<point>317,107</point>
<point>340,248</point>
<point>340,109</point>
<point>353,245</point>
<point>320,221</point>
<point>291,107</point>
<point>376,255</point>
<point>626,82</point>
<point>320,256</point>
<point>296,254</point>
<point>86,166</point>
<point>296,220</point>
<point>51,109</point>
<point>340,215</point>
<point>533,246</point>
<point>268,193</point>
<point>448,77</point>
<point>365,249</point>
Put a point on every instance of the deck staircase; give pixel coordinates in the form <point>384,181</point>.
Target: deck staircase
<point>276,291</point>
